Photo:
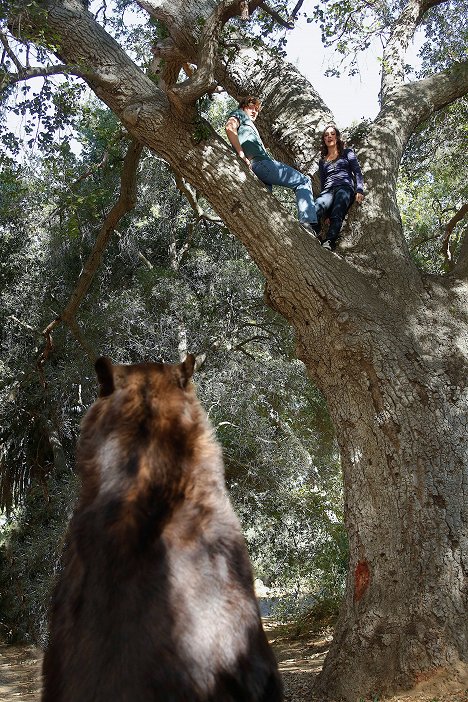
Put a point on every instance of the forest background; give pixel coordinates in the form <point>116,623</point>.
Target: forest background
<point>174,278</point>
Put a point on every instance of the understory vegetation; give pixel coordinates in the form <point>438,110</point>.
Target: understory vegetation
<point>170,280</point>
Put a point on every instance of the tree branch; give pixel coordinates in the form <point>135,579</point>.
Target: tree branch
<point>203,79</point>
<point>28,71</point>
<point>125,202</point>
<point>401,33</point>
<point>295,12</point>
<point>277,17</point>
<point>109,72</point>
<point>410,105</point>
<point>167,62</point>
<point>10,53</point>
<point>37,72</point>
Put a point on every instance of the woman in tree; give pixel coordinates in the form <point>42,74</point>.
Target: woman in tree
<point>341,183</point>
<point>246,141</point>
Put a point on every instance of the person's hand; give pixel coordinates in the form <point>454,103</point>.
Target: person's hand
<point>245,159</point>
<point>359,198</point>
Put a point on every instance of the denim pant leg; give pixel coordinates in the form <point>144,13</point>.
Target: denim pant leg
<point>342,198</point>
<point>323,204</point>
<point>276,173</point>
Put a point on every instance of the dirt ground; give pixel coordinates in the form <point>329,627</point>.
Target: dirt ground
<point>300,659</point>
<point>19,673</point>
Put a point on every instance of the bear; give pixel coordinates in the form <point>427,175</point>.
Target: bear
<point>154,601</point>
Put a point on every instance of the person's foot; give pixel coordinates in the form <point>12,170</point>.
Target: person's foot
<point>327,245</point>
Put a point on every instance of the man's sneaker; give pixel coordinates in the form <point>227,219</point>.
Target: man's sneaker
<point>327,245</point>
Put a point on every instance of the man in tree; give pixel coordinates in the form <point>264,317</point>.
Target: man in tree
<point>386,344</point>
<point>247,143</point>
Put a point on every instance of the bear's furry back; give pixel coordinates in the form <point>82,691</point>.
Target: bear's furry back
<point>155,602</point>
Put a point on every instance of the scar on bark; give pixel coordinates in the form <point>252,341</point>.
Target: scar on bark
<point>361,580</point>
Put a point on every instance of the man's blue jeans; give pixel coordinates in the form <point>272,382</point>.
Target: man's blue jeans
<point>334,204</point>
<point>276,173</point>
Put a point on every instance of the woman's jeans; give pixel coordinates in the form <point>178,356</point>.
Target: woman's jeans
<point>334,204</point>
<point>276,173</point>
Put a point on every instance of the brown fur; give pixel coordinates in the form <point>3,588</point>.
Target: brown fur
<point>155,601</point>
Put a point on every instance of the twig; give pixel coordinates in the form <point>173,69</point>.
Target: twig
<point>11,54</point>
<point>294,13</point>
<point>23,324</point>
<point>192,198</point>
<point>277,17</point>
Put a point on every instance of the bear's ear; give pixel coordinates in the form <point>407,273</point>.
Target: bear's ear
<point>186,369</point>
<point>105,377</point>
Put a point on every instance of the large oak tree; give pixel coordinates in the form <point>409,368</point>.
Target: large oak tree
<point>386,344</point>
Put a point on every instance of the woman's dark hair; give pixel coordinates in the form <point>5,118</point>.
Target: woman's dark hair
<point>339,142</point>
<point>250,100</point>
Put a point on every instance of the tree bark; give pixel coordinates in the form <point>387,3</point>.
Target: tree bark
<point>401,33</point>
<point>387,346</point>
<point>396,392</point>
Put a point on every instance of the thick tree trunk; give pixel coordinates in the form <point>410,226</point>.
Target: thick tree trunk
<point>397,395</point>
<point>406,504</point>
